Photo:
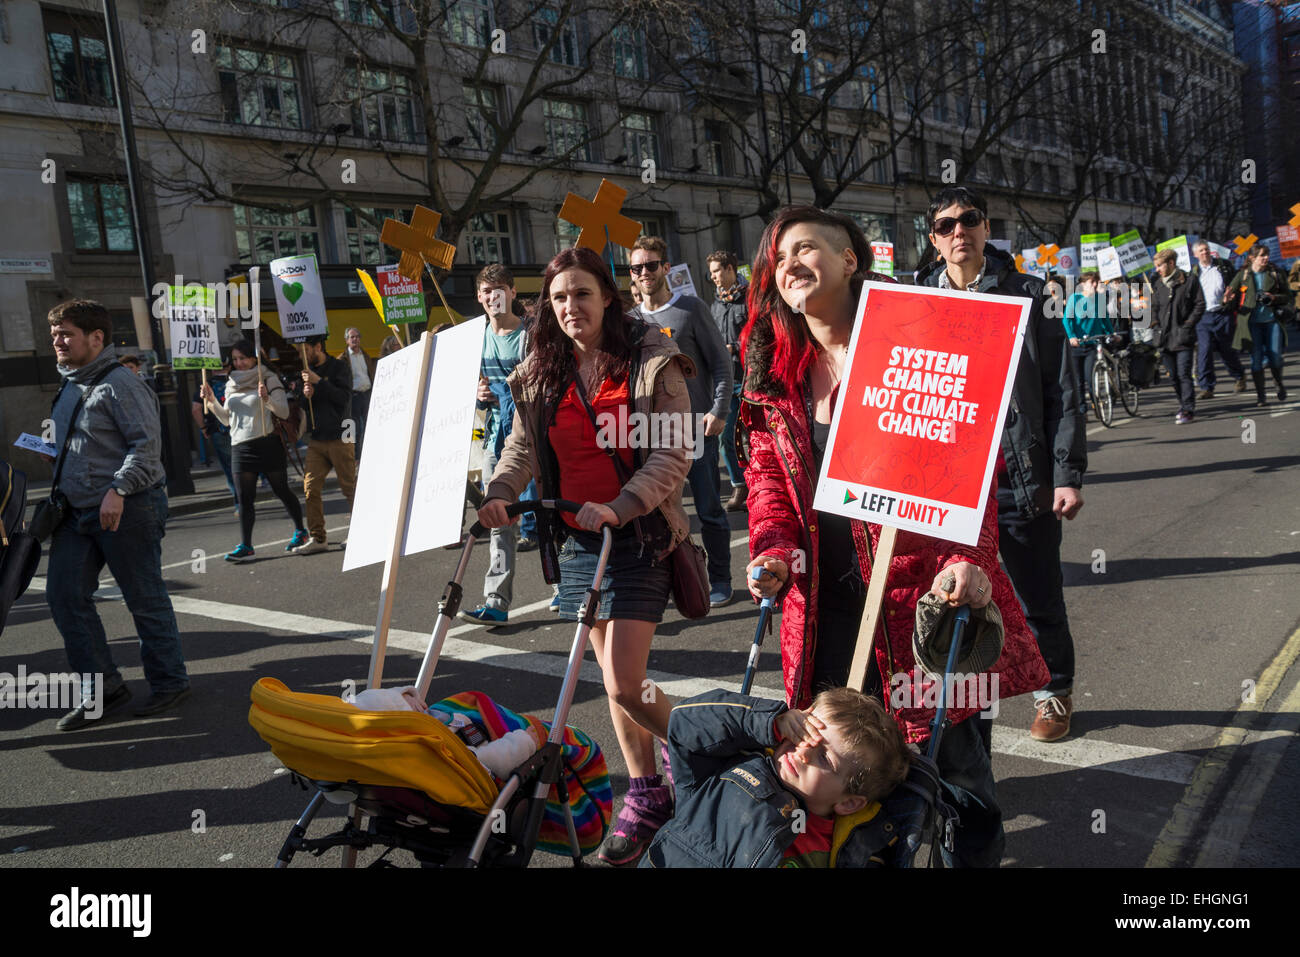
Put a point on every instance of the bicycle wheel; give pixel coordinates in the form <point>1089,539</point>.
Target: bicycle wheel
<point>1103,393</point>
<point>1128,392</point>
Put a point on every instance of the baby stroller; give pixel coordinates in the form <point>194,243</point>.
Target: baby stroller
<point>422,788</point>
<point>911,817</point>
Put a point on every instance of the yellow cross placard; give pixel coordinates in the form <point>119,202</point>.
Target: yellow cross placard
<point>1295,219</point>
<point>417,243</point>
<point>600,219</point>
<point>1047,255</point>
<point>1244,244</point>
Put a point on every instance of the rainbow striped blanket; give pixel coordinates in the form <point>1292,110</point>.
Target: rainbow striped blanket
<point>591,798</point>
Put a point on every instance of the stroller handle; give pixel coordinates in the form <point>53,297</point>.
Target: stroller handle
<point>530,505</point>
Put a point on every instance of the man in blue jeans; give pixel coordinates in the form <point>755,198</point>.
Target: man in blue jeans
<point>107,428</point>
<point>731,316</point>
<point>688,322</point>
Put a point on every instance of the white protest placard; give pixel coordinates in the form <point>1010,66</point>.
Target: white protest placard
<point>1067,262</point>
<point>1223,252</point>
<point>1089,245</point>
<point>1108,266</point>
<point>192,318</point>
<point>299,299</point>
<point>1133,256</point>
<point>679,280</point>
<point>441,456</point>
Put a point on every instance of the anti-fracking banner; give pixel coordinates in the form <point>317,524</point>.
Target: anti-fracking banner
<point>1089,244</point>
<point>403,298</point>
<point>882,258</point>
<point>1133,256</point>
<point>924,394</point>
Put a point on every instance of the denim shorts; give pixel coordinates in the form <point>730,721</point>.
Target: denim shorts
<point>633,588</point>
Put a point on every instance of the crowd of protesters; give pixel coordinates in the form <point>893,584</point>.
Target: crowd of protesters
<point>759,368</point>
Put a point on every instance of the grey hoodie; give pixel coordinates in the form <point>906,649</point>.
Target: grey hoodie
<point>116,440</point>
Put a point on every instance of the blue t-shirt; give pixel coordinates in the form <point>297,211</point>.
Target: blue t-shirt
<point>501,353</point>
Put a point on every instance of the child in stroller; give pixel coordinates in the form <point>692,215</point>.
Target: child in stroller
<point>798,806</point>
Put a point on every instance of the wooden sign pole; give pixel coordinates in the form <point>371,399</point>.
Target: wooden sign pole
<point>302,349</point>
<point>871,612</point>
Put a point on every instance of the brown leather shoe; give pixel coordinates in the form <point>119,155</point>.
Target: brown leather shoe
<point>737,501</point>
<point>1051,718</point>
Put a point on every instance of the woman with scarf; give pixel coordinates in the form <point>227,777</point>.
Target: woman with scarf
<point>1261,290</point>
<point>250,410</point>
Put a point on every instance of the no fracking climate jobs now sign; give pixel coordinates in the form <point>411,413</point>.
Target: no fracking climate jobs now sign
<point>924,393</point>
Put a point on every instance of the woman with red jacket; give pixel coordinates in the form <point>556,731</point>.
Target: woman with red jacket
<point>803,299</point>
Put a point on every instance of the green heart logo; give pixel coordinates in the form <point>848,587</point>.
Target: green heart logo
<point>293,291</point>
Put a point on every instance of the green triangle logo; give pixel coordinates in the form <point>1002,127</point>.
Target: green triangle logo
<point>849,497</point>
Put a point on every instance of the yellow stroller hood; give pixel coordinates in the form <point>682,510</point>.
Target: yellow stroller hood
<point>326,739</point>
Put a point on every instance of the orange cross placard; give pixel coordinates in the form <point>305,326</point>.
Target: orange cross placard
<point>1295,219</point>
<point>1244,244</point>
<point>1047,255</point>
<point>601,219</point>
<point>417,243</point>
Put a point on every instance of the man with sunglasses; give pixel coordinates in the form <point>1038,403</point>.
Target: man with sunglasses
<point>689,323</point>
<point>1044,453</point>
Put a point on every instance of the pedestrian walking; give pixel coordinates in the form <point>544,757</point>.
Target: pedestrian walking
<point>588,358</point>
<point>1044,450</point>
<point>1214,331</point>
<point>731,316</point>
<point>214,433</point>
<point>253,398</point>
<point>327,387</point>
<point>109,475</point>
<point>808,275</point>
<point>1259,289</point>
<point>1177,306</point>
<point>362,367</point>
<point>688,322</point>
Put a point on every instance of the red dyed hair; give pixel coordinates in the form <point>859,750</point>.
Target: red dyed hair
<point>793,348</point>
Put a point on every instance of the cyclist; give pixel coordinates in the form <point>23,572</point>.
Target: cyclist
<point>1085,315</point>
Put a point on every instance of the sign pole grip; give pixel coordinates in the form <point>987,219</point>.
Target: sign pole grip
<point>871,612</point>
<point>437,288</point>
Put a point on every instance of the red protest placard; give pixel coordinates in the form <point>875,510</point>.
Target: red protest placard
<point>1288,241</point>
<point>925,392</point>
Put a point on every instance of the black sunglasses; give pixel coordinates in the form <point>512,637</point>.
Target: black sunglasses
<point>969,219</point>
<point>652,265</point>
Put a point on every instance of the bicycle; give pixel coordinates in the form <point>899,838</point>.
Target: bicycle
<point>1110,377</point>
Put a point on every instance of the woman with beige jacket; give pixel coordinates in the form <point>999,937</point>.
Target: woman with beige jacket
<point>568,428</point>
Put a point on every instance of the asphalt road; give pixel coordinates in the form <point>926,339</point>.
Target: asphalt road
<point>1183,588</point>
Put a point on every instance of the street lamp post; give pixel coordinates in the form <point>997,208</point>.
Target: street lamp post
<point>175,451</point>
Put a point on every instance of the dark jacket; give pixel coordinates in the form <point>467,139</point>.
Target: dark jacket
<point>1176,308</point>
<point>732,809</point>
<point>730,318</point>
<point>371,363</point>
<point>1043,440</point>
<point>1275,283</point>
<point>1225,270</point>
<point>331,400</point>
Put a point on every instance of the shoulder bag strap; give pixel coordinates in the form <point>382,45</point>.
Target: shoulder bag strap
<point>72,422</point>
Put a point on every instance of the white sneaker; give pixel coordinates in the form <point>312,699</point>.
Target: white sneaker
<point>312,548</point>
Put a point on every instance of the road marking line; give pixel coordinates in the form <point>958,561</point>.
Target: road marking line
<point>1176,835</point>
<point>281,541</point>
<point>1147,763</point>
<point>1224,840</point>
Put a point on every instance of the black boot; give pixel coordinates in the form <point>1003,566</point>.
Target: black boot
<point>1281,389</point>
<point>1259,387</point>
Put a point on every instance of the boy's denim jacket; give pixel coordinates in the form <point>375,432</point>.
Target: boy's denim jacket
<point>732,809</point>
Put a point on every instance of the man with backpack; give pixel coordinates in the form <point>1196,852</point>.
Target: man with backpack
<point>110,483</point>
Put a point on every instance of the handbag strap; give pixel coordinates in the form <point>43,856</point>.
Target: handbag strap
<point>72,422</point>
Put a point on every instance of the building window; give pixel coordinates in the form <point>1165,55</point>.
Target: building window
<point>566,235</point>
<point>880,172</point>
<point>359,11</point>
<point>566,129</point>
<point>878,227</point>
<point>482,114</point>
<point>640,142</point>
<point>259,88</point>
<point>702,42</point>
<point>78,59</point>
<point>629,53</point>
<point>364,247</point>
<point>488,239</point>
<point>470,22</point>
<point>101,216</point>
<point>546,23</point>
<point>1164,124</point>
<point>386,108</point>
<point>263,234</point>
<point>710,151</point>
